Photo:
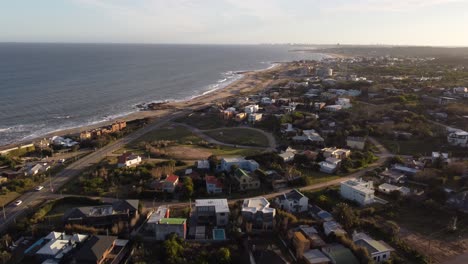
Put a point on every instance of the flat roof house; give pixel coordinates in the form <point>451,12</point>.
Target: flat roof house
<point>167,226</point>
<point>212,211</point>
<point>101,249</point>
<point>358,190</point>
<point>227,163</point>
<point>257,211</point>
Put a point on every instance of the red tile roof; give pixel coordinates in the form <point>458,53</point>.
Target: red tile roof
<point>172,178</point>
<point>213,180</point>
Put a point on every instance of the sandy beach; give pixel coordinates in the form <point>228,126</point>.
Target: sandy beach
<point>250,82</point>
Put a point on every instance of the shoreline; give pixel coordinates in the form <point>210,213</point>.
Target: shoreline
<point>247,81</point>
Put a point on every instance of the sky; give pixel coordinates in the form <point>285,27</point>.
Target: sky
<point>392,22</point>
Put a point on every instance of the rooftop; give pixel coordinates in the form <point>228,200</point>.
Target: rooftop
<point>221,205</point>
<point>315,256</point>
<point>259,204</point>
<point>173,221</point>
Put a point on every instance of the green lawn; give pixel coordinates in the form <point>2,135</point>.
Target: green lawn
<point>202,120</point>
<point>8,198</point>
<point>315,177</point>
<point>173,133</point>
<point>239,136</point>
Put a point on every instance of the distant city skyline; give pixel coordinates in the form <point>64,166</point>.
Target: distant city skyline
<point>384,22</point>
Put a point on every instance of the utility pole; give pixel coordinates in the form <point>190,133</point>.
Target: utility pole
<point>4,215</point>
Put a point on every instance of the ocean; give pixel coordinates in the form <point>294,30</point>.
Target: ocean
<point>51,87</point>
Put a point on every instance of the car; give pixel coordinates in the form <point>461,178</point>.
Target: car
<point>38,188</point>
<point>17,203</point>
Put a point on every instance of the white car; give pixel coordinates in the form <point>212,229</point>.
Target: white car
<point>38,188</point>
<point>17,203</point>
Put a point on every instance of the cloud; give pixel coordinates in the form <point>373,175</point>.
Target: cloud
<point>389,5</point>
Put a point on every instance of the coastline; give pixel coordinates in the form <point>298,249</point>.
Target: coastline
<point>248,81</point>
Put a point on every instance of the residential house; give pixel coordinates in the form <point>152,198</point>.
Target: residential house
<point>300,243</point>
<point>64,142</point>
<point>458,138</point>
<point>356,142</point>
<point>154,218</point>
<point>54,246</point>
<point>319,105</point>
<point>293,201</point>
<point>333,108</point>
<point>339,254</point>
<point>329,168</point>
<point>256,212</point>
<point>388,188</point>
<point>102,215</point>
<point>392,176</point>
<point>443,157</point>
<point>344,102</point>
<point>38,168</point>
<point>358,190</point>
<point>167,226</point>
<point>443,100</point>
<point>170,183</point>
<point>255,117</point>
<point>287,155</point>
<point>245,180</point>
<point>336,153</point>
<point>276,181</point>
<point>333,227</point>
<point>408,168</point>
<point>128,160</point>
<point>86,135</point>
<point>310,136</point>
<point>213,185</point>
<point>227,163</point>
<point>212,211</point>
<point>378,250</point>
<point>240,117</point>
<point>203,165</point>
<point>320,214</point>
<point>101,249</point>
<point>315,256</point>
<point>250,109</point>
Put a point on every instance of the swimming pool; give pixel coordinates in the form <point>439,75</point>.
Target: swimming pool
<point>219,234</point>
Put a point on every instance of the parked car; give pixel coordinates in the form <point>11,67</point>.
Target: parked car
<point>17,203</point>
<point>38,188</point>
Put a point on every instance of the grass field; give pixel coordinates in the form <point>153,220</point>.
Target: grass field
<point>423,147</point>
<point>202,121</point>
<point>8,198</point>
<point>239,136</point>
<point>173,133</point>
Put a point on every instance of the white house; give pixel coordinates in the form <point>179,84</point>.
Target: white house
<point>336,153</point>
<point>227,163</point>
<point>379,250</point>
<point>250,109</point>
<point>258,211</point>
<point>203,165</point>
<point>212,211</point>
<point>128,160</point>
<point>333,108</point>
<point>344,102</point>
<point>293,201</point>
<point>458,138</point>
<point>333,227</point>
<point>64,142</point>
<point>38,168</point>
<point>287,155</point>
<point>358,190</point>
<point>255,117</point>
<point>329,168</point>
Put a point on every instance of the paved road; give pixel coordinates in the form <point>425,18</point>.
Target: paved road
<point>30,199</point>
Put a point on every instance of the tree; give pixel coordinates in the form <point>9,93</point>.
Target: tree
<point>188,187</point>
<point>345,214</point>
<point>173,248</point>
<point>223,255</point>
<point>213,160</point>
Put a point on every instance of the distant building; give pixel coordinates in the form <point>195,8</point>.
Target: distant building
<point>344,102</point>
<point>333,108</point>
<point>315,256</point>
<point>257,212</point>
<point>358,190</point>
<point>327,167</point>
<point>101,249</point>
<point>336,153</point>
<point>203,165</point>
<point>64,142</point>
<point>128,160</point>
<point>250,109</point>
<point>212,211</point>
<point>293,201</point>
<point>392,176</point>
<point>379,250</point>
<point>255,117</point>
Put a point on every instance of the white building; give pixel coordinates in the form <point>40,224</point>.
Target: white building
<point>379,250</point>
<point>333,108</point>
<point>344,102</point>
<point>214,211</point>
<point>287,155</point>
<point>458,138</point>
<point>258,212</point>
<point>358,190</point>
<point>293,201</point>
<point>250,109</point>
<point>227,163</point>
<point>64,142</point>
<point>128,160</point>
<point>388,188</point>
<point>327,167</point>
<point>255,117</point>
<point>203,165</point>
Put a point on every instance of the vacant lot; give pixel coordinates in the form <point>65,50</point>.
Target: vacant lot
<point>415,146</point>
<point>172,133</point>
<point>202,120</point>
<point>239,136</point>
